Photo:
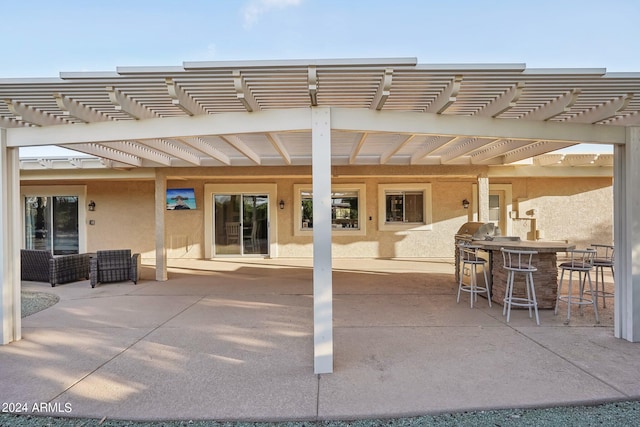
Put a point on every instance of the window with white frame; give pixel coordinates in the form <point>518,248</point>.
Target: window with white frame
<point>347,204</point>
<point>404,206</point>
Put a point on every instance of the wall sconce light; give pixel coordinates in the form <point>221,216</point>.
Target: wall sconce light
<point>281,204</point>
<point>92,206</point>
<point>465,204</point>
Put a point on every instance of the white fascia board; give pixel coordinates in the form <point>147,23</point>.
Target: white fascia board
<point>471,67</point>
<point>352,119</point>
<point>169,127</point>
<point>352,62</point>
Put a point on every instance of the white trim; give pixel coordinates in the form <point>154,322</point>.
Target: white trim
<point>425,188</point>
<point>269,189</point>
<point>361,188</point>
<point>79,191</point>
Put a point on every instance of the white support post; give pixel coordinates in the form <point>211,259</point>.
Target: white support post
<point>322,268</point>
<point>10,226</point>
<point>627,237</point>
<point>483,198</point>
<point>161,206</point>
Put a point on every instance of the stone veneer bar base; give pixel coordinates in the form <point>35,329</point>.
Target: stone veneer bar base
<point>545,280</point>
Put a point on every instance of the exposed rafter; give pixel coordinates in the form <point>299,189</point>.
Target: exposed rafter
<point>384,158</point>
<point>141,151</point>
<point>558,106</point>
<point>31,115</point>
<point>446,98</point>
<point>627,120</point>
<point>75,162</point>
<point>244,93</point>
<point>549,160</point>
<point>312,77</point>
<point>384,90</point>
<point>535,149</point>
<point>205,145</point>
<point>183,100</point>
<point>6,122</point>
<point>107,153</point>
<point>172,149</point>
<point>431,144</point>
<point>462,149</point>
<point>274,139</point>
<point>581,159</point>
<point>75,109</point>
<point>357,147</point>
<point>124,103</point>
<point>504,102</point>
<point>46,163</point>
<point>496,149</point>
<point>602,111</point>
<point>242,147</point>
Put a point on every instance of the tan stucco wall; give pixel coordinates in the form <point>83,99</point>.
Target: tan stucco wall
<point>579,210</point>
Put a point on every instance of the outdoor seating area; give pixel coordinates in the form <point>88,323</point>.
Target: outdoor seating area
<point>114,266</point>
<point>43,266</point>
<point>104,266</point>
<point>518,259</point>
<point>150,350</point>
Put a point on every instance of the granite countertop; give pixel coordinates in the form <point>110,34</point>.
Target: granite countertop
<point>525,245</point>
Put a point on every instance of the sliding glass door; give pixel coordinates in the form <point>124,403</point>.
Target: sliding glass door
<point>241,224</point>
<point>51,223</point>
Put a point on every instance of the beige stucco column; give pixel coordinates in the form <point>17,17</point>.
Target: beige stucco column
<point>160,209</point>
<point>626,176</point>
<point>10,230</point>
<point>483,198</point>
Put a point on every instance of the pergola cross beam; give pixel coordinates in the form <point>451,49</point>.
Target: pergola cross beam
<point>75,109</point>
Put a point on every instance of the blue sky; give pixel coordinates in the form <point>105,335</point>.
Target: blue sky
<point>44,38</point>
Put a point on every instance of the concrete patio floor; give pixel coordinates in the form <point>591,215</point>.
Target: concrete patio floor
<point>233,340</point>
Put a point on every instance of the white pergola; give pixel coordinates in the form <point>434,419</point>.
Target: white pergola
<point>323,113</point>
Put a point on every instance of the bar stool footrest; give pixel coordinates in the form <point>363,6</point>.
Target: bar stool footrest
<point>521,302</point>
<point>576,300</point>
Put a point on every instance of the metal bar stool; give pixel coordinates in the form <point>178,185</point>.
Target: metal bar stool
<point>518,261</point>
<point>582,263</point>
<point>604,258</point>
<point>470,260</point>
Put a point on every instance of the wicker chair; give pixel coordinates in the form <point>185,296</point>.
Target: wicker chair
<point>114,266</point>
<point>43,266</point>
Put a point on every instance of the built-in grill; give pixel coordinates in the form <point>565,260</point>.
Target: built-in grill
<point>469,232</point>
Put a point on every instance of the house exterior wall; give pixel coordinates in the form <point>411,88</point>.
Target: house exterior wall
<point>579,210</point>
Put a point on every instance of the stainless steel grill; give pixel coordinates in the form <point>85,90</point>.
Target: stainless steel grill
<point>469,232</point>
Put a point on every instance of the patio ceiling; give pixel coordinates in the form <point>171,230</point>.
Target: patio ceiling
<point>473,91</point>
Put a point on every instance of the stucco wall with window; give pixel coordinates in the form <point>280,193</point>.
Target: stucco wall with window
<point>576,209</point>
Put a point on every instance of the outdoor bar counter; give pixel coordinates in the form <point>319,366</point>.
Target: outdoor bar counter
<point>545,279</point>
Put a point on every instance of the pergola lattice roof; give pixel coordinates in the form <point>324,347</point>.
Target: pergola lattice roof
<point>499,91</point>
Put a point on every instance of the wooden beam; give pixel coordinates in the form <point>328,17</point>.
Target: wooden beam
<point>502,103</point>
<point>124,103</point>
<point>206,146</point>
<point>274,139</point>
<point>183,100</point>
<point>32,115</point>
<point>75,109</point>
<point>446,98</point>
<point>242,147</point>
<point>558,106</point>
<point>602,111</point>
<point>384,90</point>
<point>243,93</point>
